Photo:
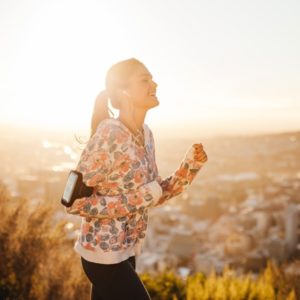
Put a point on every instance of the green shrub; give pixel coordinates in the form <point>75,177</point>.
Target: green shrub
<point>164,286</point>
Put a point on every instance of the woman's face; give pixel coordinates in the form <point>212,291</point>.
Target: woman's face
<point>142,89</point>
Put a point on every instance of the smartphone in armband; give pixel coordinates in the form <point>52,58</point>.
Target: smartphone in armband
<point>75,188</point>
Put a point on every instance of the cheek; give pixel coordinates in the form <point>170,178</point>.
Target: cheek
<point>144,89</point>
<point>142,99</point>
<point>143,92</point>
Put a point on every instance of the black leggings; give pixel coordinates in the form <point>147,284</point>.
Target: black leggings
<point>115,281</point>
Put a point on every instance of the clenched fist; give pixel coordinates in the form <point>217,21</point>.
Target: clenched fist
<point>199,153</point>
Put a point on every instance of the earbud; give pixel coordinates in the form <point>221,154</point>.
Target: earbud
<point>124,92</point>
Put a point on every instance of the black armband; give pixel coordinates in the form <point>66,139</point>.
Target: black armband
<point>75,188</point>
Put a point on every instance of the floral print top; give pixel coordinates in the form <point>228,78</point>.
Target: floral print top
<point>126,184</point>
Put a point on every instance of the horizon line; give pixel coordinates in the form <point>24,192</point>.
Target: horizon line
<point>167,129</point>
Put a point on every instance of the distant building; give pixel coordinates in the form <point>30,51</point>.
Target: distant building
<point>291,224</point>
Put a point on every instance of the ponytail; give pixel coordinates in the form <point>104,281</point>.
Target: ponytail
<point>101,111</point>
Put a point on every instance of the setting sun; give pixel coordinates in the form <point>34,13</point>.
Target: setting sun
<point>54,59</point>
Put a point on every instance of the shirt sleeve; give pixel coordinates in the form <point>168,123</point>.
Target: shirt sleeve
<point>177,182</point>
<point>98,206</point>
<point>96,163</point>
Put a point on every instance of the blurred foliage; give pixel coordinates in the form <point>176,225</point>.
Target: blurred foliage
<point>270,284</point>
<point>37,261</point>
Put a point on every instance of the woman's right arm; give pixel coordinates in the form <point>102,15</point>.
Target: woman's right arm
<point>105,152</point>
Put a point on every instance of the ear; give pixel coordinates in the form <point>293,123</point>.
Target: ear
<point>119,93</point>
<point>125,93</point>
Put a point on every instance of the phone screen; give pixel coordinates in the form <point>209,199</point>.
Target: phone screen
<point>71,183</point>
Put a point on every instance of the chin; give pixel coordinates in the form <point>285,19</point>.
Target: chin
<point>156,104</point>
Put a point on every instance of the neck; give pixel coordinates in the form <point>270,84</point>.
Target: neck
<point>134,121</point>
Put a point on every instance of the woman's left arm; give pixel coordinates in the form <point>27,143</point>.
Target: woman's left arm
<point>189,167</point>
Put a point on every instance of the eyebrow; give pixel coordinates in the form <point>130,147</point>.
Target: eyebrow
<point>146,74</point>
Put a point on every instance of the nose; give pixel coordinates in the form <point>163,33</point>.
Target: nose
<point>155,84</point>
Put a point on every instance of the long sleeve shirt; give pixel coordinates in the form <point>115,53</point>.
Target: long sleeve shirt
<point>126,184</point>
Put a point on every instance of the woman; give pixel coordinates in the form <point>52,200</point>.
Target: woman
<point>119,162</point>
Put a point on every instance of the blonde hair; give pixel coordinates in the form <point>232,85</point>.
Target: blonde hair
<point>116,78</point>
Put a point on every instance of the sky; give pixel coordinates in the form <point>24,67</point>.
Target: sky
<point>222,67</point>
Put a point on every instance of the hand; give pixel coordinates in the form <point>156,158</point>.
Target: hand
<point>199,153</point>
<point>77,205</point>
